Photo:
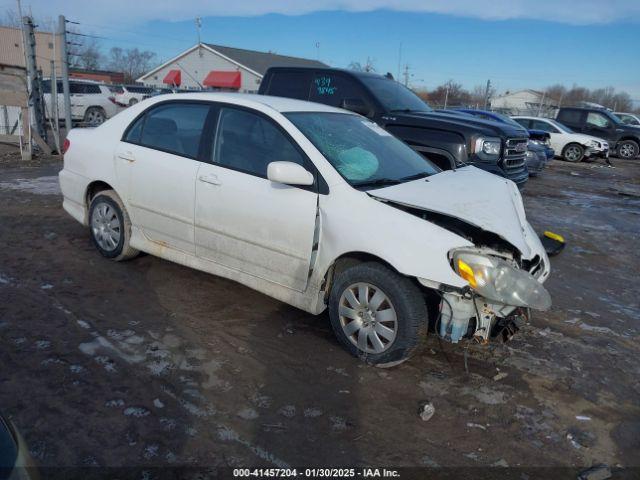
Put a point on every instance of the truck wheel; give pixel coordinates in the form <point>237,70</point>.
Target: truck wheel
<point>110,226</point>
<point>573,152</point>
<point>377,314</point>
<point>94,116</point>
<point>628,149</point>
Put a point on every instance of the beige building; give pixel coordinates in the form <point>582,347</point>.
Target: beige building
<point>11,52</point>
<point>219,67</point>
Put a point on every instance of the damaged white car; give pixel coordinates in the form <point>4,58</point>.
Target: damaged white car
<point>314,206</point>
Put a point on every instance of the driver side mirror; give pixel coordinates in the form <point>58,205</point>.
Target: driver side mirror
<point>355,105</point>
<point>289,173</point>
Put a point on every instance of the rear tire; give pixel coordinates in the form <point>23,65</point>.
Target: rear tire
<point>628,149</point>
<point>95,116</point>
<point>377,314</point>
<point>110,227</point>
<point>573,153</point>
<point>132,102</point>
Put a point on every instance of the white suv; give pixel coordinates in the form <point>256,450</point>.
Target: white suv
<point>91,103</point>
<point>127,95</point>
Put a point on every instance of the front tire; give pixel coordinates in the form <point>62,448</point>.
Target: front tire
<point>132,102</point>
<point>377,314</point>
<point>573,153</point>
<point>110,227</point>
<point>628,149</point>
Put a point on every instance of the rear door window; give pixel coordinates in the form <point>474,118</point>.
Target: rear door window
<point>331,89</point>
<point>525,122</point>
<point>175,128</point>
<point>540,125</point>
<point>570,117</point>
<point>290,85</point>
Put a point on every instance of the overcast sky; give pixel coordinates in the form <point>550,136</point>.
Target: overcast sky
<point>516,43</point>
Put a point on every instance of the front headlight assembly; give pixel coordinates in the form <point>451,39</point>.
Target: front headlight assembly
<point>495,279</point>
<point>487,148</point>
<point>593,144</point>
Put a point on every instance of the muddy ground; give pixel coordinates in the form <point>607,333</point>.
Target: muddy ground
<point>147,363</point>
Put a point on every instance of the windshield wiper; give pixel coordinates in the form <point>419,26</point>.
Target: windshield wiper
<point>415,176</point>
<point>380,182</point>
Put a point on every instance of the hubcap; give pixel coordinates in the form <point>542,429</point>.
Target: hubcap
<point>105,226</point>
<point>368,318</point>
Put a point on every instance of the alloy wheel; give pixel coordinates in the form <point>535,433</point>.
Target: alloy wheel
<point>573,154</point>
<point>627,150</point>
<point>368,318</point>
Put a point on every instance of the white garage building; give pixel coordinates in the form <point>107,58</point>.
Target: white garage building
<point>524,102</point>
<point>220,68</point>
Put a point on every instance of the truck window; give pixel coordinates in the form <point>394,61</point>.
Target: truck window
<point>595,119</point>
<point>290,85</point>
<point>332,89</point>
<point>570,117</point>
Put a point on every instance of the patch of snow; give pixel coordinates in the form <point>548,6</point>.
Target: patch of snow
<point>40,186</point>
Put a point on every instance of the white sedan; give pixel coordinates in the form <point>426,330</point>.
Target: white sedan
<point>571,146</point>
<point>315,206</point>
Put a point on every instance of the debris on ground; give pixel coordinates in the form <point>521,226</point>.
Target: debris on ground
<point>426,411</point>
<point>499,376</point>
<point>597,472</point>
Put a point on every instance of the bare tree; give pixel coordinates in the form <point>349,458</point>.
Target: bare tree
<point>90,56</point>
<point>132,62</point>
<point>369,66</point>
<point>451,93</point>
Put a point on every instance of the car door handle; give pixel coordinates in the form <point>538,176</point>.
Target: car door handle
<point>211,178</point>
<point>128,156</point>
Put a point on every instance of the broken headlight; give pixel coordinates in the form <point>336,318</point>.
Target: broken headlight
<point>495,279</point>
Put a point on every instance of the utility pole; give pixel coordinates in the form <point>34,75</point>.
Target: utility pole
<point>486,94</point>
<point>64,70</point>
<point>35,90</point>
<point>399,61</point>
<point>446,96</point>
<point>198,26</point>
<point>54,106</point>
<point>406,75</point>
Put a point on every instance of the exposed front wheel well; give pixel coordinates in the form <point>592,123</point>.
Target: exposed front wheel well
<point>348,260</point>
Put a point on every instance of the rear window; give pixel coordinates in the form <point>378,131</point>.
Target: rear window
<point>290,85</point>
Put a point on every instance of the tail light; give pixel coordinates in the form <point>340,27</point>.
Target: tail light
<point>65,145</point>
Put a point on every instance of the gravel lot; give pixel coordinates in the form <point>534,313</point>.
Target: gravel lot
<point>148,363</point>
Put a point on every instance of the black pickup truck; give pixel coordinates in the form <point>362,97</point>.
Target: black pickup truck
<point>446,139</point>
<point>623,139</point>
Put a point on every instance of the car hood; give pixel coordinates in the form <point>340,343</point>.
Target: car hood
<point>481,125</point>
<point>479,198</point>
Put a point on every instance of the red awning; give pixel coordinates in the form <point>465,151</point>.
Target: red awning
<point>174,77</point>
<point>219,79</point>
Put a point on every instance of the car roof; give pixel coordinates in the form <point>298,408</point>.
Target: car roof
<point>354,73</point>
<point>280,104</point>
